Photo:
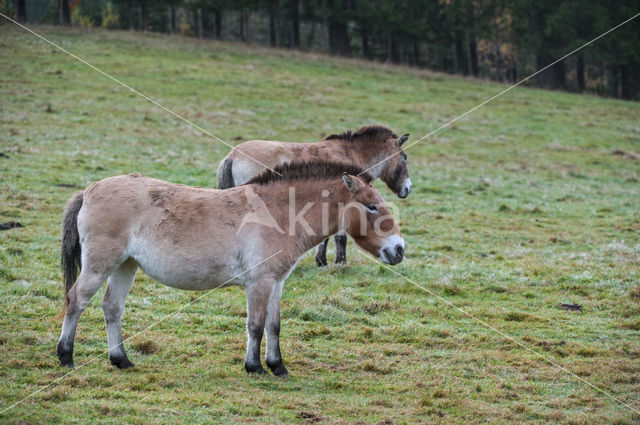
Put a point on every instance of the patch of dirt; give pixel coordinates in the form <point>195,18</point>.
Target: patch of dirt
<point>570,307</point>
<point>146,347</point>
<point>67,185</point>
<point>548,344</point>
<point>310,417</point>
<point>10,225</point>
<point>625,154</point>
<point>375,308</point>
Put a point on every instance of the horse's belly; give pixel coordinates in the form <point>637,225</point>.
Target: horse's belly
<point>190,271</point>
<point>187,279</point>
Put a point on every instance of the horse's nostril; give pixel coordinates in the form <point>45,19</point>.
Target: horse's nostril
<point>399,250</point>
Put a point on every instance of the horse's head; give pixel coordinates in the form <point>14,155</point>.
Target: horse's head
<point>395,172</point>
<point>368,221</point>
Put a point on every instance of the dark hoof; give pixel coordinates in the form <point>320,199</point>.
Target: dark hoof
<point>121,362</point>
<point>67,363</point>
<point>254,368</point>
<point>279,370</point>
<point>321,261</point>
<point>341,260</point>
<point>65,357</point>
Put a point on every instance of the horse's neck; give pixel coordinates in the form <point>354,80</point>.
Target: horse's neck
<point>321,201</point>
<point>327,199</point>
<point>356,153</point>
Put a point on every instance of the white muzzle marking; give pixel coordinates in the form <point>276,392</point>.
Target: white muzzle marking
<point>406,188</point>
<point>392,250</point>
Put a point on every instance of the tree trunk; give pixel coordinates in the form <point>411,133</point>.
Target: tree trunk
<point>613,81</point>
<point>392,49</point>
<point>311,36</point>
<point>21,11</point>
<point>199,22</point>
<point>560,75</point>
<point>602,81</point>
<point>339,38</point>
<point>130,13</point>
<point>217,19</point>
<point>473,55</point>
<point>64,13</point>
<point>294,15</point>
<point>241,22</point>
<point>580,72</point>
<point>554,77</point>
<point>247,28</point>
<point>471,35</point>
<point>144,17</point>
<point>498,63</point>
<point>337,25</point>
<point>461,60</point>
<point>273,10</point>
<point>625,92</point>
<point>416,53</point>
<point>366,51</point>
<point>172,19</point>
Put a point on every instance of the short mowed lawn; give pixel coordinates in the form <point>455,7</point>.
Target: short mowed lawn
<point>528,203</point>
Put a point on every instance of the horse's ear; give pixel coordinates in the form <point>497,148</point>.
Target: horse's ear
<point>350,182</point>
<point>403,139</point>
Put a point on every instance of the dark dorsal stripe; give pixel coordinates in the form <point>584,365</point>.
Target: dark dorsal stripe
<point>373,133</point>
<point>309,170</point>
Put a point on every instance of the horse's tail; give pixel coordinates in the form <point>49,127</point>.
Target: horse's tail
<point>71,251</point>
<point>225,175</point>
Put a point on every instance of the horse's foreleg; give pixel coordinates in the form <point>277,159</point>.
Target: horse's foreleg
<point>341,247</point>
<point>321,253</point>
<point>258,295</point>
<point>272,326</point>
<point>118,287</point>
<point>78,297</point>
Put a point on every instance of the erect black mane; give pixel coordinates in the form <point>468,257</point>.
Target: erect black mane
<point>372,133</point>
<point>309,170</point>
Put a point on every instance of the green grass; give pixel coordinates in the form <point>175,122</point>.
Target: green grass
<point>516,208</point>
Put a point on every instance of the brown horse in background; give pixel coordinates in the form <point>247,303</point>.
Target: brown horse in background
<point>374,148</point>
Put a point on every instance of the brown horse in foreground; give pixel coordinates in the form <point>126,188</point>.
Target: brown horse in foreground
<point>375,146</point>
<point>199,239</point>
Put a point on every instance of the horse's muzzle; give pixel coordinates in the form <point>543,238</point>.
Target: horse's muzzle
<point>405,190</point>
<point>392,251</point>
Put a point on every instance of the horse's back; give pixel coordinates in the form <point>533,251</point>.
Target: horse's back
<point>180,235</point>
<point>253,157</point>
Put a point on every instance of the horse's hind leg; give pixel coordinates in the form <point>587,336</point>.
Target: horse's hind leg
<point>272,326</point>
<point>321,253</point>
<point>78,297</point>
<point>341,247</point>
<point>118,287</point>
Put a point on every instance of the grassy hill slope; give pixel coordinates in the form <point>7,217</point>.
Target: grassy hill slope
<point>525,204</point>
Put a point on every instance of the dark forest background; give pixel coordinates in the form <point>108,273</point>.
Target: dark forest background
<point>503,40</point>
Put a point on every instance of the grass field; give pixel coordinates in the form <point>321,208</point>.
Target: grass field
<point>525,204</point>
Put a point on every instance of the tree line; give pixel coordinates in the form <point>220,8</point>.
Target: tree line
<point>502,40</point>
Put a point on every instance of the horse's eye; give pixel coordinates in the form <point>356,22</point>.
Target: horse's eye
<point>372,208</point>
